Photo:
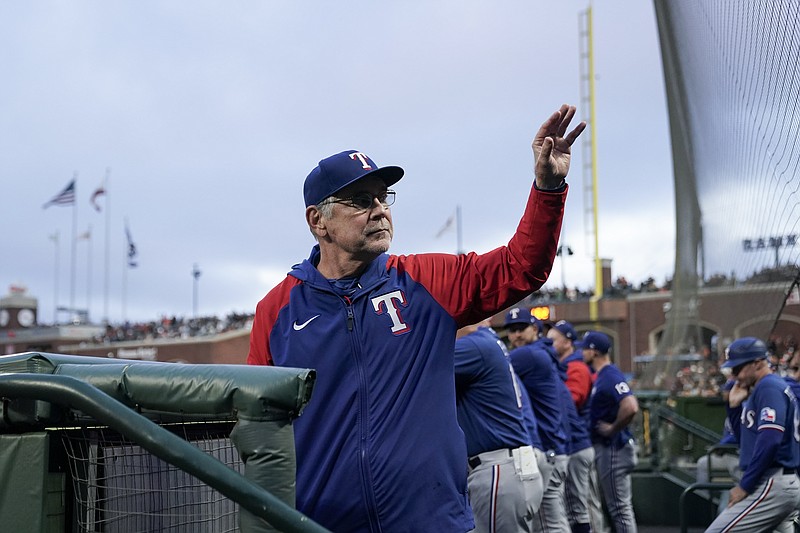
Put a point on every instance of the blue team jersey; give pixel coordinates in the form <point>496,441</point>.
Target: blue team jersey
<point>530,418</point>
<point>609,389</point>
<point>537,367</point>
<point>488,398</point>
<point>771,406</point>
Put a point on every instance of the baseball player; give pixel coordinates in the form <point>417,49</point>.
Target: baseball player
<point>612,408</point>
<point>722,459</point>
<point>378,446</point>
<point>521,327</point>
<point>537,366</point>
<point>792,378</point>
<point>578,380</point>
<point>505,485</point>
<point>768,492</point>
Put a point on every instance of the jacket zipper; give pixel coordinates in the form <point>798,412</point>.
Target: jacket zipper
<point>366,473</point>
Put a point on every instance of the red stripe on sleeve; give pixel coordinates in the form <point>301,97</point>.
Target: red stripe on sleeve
<point>266,315</point>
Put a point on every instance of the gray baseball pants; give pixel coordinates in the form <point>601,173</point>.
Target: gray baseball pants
<point>576,492</point>
<point>552,516</point>
<point>504,493</point>
<point>614,467</point>
<point>771,506</point>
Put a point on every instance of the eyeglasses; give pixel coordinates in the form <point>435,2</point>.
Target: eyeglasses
<point>365,200</point>
<point>516,328</point>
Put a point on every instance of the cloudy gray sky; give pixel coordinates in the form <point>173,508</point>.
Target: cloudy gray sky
<point>209,115</point>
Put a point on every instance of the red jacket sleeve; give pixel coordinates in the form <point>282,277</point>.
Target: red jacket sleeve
<point>579,382</point>
<point>266,314</point>
<point>472,287</point>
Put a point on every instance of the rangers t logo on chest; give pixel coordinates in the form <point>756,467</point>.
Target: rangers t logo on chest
<point>388,304</point>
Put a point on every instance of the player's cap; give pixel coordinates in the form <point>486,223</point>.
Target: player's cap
<point>520,315</point>
<point>594,340</point>
<point>566,329</point>
<point>336,172</point>
<point>743,351</point>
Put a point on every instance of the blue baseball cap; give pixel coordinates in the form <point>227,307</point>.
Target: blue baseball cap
<point>566,329</point>
<point>743,351</point>
<point>594,340</point>
<point>336,172</point>
<point>520,315</point>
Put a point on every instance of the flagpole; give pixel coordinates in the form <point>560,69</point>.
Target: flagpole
<point>106,253</point>
<point>55,240</point>
<point>125,288</point>
<point>129,263</point>
<point>74,246</point>
<point>65,197</point>
<point>89,273</point>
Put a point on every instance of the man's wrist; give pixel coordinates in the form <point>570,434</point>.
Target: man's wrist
<point>558,188</point>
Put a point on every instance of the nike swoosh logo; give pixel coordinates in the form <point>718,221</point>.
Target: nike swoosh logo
<point>298,327</point>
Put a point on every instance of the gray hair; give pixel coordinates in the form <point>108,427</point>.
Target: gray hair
<point>325,208</point>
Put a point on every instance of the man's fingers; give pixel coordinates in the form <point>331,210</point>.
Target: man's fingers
<point>566,112</point>
<point>551,124</point>
<point>547,149</point>
<point>575,133</point>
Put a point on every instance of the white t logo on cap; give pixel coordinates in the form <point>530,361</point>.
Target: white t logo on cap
<point>361,157</point>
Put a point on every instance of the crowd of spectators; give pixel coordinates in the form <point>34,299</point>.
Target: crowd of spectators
<point>621,287</point>
<point>703,378</point>
<point>174,328</point>
<point>699,373</point>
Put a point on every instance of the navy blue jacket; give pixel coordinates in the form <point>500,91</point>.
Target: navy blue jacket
<point>488,400</point>
<point>536,365</point>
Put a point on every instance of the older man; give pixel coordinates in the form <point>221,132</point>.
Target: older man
<point>378,447</point>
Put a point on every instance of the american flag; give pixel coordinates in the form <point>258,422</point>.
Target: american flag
<point>65,197</point>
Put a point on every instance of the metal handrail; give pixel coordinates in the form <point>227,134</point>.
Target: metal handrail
<point>692,488</point>
<point>74,393</point>
<point>721,449</point>
<point>686,424</point>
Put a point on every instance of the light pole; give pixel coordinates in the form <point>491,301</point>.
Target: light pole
<point>195,276</point>
<point>560,252</point>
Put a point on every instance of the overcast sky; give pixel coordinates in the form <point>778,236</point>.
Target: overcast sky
<point>209,116</point>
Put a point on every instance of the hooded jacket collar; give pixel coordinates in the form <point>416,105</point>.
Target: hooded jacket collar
<point>307,272</point>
